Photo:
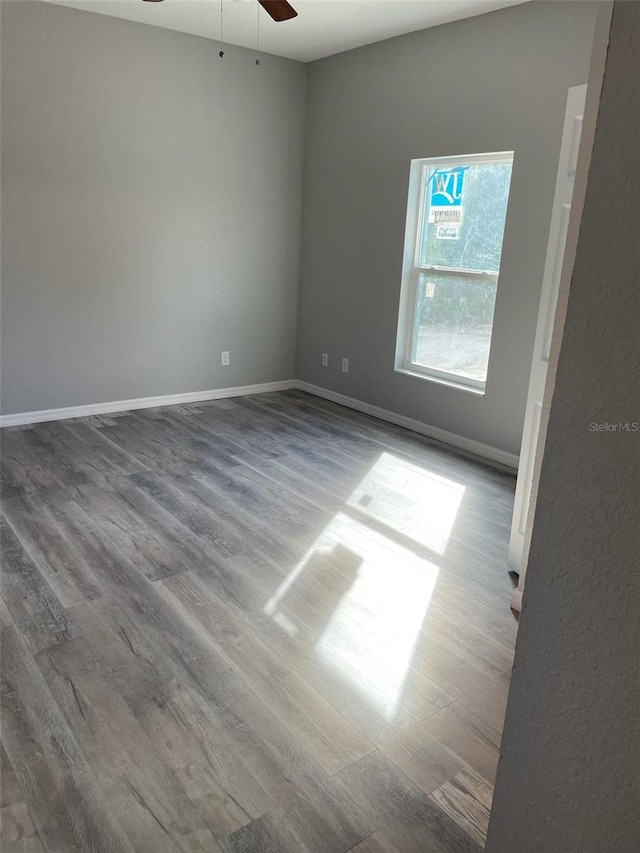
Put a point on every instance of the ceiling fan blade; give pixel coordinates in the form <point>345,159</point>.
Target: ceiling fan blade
<point>279,10</point>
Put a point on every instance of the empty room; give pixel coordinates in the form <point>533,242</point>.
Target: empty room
<point>320,402</point>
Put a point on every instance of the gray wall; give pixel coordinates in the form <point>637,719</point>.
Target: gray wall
<point>568,779</point>
<point>492,83</point>
<point>151,210</point>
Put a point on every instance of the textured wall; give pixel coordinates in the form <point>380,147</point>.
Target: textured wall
<point>492,83</point>
<point>568,780</point>
<point>151,210</point>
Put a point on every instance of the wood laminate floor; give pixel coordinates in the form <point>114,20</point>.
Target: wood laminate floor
<point>260,625</point>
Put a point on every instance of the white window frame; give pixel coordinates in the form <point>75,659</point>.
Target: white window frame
<point>411,269</point>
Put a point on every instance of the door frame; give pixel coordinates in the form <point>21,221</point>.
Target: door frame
<point>533,435</point>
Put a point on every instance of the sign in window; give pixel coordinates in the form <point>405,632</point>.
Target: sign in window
<point>453,246</point>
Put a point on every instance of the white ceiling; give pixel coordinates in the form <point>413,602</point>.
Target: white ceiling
<point>322,28</point>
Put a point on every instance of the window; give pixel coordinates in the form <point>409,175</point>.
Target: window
<point>453,243</point>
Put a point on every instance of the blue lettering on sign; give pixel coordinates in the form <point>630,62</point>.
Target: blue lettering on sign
<point>447,188</point>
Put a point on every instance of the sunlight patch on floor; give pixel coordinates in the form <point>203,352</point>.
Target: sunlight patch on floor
<point>360,593</point>
<point>410,500</point>
<point>370,636</point>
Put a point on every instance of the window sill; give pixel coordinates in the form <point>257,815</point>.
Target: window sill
<point>448,383</point>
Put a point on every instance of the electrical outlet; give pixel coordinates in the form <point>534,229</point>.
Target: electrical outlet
<point>224,358</point>
<point>325,359</point>
<point>345,365</point>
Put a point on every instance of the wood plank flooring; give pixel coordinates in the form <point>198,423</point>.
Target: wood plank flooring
<point>260,625</point>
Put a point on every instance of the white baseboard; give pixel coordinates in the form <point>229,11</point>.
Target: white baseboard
<point>476,448</point>
<point>516,600</point>
<point>142,403</point>
<point>484,451</point>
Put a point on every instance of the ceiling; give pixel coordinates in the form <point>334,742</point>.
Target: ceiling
<point>322,28</point>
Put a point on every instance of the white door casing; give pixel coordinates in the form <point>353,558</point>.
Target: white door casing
<point>524,500</point>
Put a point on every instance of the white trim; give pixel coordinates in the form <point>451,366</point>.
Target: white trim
<point>516,599</point>
<point>142,403</point>
<point>484,451</point>
<point>476,448</point>
<point>448,383</point>
<point>412,268</point>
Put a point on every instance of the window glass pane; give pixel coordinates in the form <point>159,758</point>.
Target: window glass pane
<point>452,328</point>
<point>464,216</point>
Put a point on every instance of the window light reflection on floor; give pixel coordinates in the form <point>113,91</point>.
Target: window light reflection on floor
<point>359,595</point>
<point>411,501</point>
